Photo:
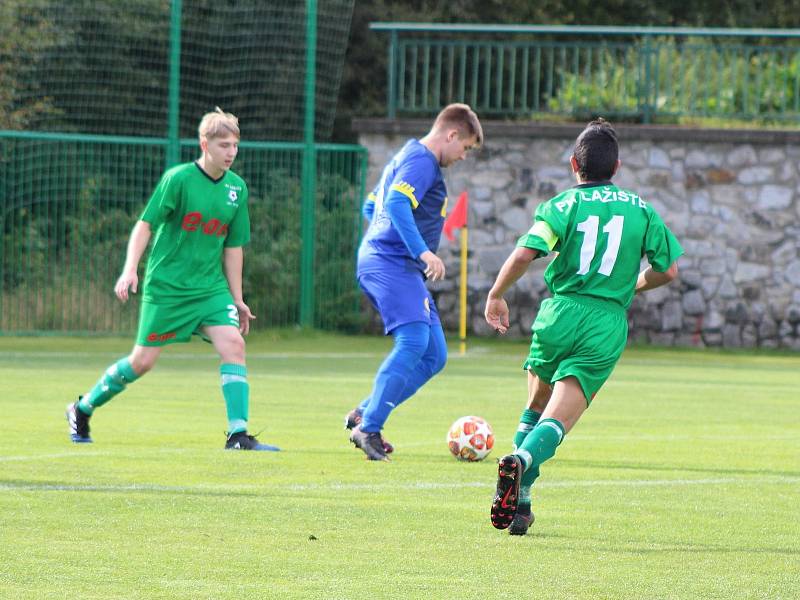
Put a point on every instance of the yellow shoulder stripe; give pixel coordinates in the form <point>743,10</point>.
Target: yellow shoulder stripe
<point>407,191</point>
<point>543,230</point>
<point>371,197</point>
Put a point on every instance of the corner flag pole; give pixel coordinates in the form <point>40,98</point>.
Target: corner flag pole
<point>462,320</point>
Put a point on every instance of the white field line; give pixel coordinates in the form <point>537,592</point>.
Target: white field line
<point>420,485</point>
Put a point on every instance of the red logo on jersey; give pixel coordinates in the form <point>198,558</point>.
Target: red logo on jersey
<point>160,337</point>
<point>194,221</point>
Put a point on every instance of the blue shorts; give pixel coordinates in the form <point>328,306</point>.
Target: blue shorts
<point>400,296</point>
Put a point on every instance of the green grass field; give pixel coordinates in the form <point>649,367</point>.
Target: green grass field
<point>681,481</point>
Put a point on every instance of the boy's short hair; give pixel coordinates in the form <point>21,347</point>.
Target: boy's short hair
<point>463,118</point>
<point>597,151</point>
<point>217,124</point>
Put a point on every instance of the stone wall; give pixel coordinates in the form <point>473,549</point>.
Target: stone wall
<point>731,198</point>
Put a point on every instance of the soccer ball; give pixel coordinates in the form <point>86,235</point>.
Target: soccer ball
<point>470,439</point>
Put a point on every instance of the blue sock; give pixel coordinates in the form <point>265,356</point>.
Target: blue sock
<point>430,364</point>
<point>410,343</point>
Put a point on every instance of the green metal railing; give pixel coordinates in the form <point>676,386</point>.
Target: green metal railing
<point>636,73</point>
<point>70,201</point>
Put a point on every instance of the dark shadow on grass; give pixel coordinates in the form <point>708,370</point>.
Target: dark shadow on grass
<point>598,545</point>
<point>672,469</point>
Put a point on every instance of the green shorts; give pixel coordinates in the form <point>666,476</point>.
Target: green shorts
<point>162,324</point>
<point>576,336</point>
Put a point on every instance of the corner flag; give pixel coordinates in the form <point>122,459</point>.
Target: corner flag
<point>457,219</point>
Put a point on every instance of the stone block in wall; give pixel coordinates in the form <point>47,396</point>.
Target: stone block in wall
<point>712,338</point>
<point>736,313</point>
<point>768,329</point>
<point>769,155</point>
<point>700,202</point>
<point>713,266</point>
<point>693,303</point>
<point>720,176</point>
<point>688,277</point>
<point>774,197</point>
<point>742,156</point>
<point>791,273</point>
<point>710,286</point>
<point>491,259</point>
<point>660,338</point>
<point>749,337</point>
<point>732,336</point>
<point>746,272</point>
<point>787,172</point>
<point>785,253</point>
<point>671,316</point>
<point>518,220</point>
<point>713,321</point>
<point>658,159</point>
<point>756,174</point>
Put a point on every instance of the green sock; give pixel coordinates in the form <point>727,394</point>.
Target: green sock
<point>524,502</point>
<point>527,422</point>
<point>236,392</point>
<point>113,381</point>
<point>541,443</point>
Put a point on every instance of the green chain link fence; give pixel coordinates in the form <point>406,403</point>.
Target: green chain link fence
<point>101,96</point>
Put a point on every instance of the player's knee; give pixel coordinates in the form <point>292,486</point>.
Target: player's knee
<point>439,360</point>
<point>142,364</point>
<point>233,350</point>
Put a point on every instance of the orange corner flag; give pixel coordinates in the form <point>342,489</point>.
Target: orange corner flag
<point>457,217</point>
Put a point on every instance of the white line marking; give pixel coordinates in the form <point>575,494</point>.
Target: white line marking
<point>421,485</point>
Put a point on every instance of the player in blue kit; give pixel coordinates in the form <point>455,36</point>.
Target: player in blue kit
<point>398,253</point>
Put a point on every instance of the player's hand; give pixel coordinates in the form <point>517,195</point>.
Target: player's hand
<point>126,281</point>
<point>245,317</point>
<point>496,314</point>
<point>434,266</point>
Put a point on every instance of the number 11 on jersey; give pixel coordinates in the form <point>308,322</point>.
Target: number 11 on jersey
<point>589,228</point>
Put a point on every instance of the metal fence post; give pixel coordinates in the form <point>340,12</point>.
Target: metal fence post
<point>173,110</point>
<point>391,87</point>
<point>309,173</point>
<point>647,106</point>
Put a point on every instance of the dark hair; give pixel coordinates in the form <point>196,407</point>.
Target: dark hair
<point>597,151</point>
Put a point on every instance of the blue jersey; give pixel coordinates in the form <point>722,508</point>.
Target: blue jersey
<point>413,173</point>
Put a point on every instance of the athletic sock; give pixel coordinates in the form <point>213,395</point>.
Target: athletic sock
<point>527,422</point>
<point>541,443</point>
<point>524,502</point>
<point>113,381</point>
<point>236,392</point>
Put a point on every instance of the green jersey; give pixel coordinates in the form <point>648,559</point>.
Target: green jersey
<point>193,217</point>
<point>601,234</point>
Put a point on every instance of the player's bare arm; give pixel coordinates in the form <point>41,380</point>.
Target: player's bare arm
<point>496,312</point>
<point>434,265</point>
<point>232,261</point>
<point>650,278</point>
<point>129,279</point>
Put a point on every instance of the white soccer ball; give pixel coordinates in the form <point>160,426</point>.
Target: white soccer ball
<point>470,438</point>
